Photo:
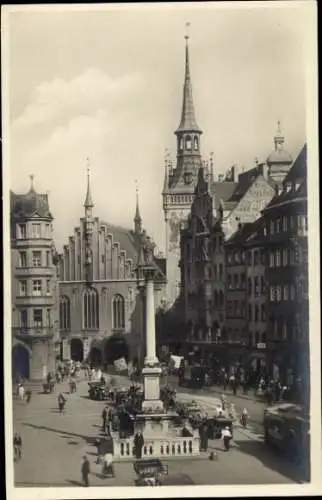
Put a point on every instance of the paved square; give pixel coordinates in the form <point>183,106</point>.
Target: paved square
<point>53,446</point>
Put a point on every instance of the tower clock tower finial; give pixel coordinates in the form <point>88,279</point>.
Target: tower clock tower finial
<point>137,217</point>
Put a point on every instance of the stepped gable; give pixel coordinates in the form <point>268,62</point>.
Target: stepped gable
<point>131,243</point>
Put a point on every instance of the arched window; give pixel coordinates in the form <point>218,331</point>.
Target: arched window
<point>118,312</point>
<point>188,142</point>
<point>195,141</point>
<point>181,144</point>
<point>64,313</point>
<point>90,309</point>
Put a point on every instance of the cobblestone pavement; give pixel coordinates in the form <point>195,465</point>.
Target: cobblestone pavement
<point>53,446</point>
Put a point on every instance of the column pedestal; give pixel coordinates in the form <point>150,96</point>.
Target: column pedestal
<point>152,402</point>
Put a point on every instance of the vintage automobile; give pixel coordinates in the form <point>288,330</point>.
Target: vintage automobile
<point>286,427</point>
<point>149,471</point>
<point>217,424</point>
<point>98,391</point>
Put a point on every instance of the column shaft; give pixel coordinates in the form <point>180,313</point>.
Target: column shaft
<point>150,320</point>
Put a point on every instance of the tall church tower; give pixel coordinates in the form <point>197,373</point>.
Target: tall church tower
<point>180,182</point>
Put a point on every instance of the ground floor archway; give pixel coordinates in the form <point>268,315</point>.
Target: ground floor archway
<point>115,348</point>
<point>20,361</point>
<point>95,357</point>
<point>76,350</point>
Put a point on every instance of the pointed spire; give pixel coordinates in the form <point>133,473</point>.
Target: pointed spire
<point>32,188</point>
<point>188,120</point>
<point>137,217</point>
<point>279,139</point>
<point>166,169</point>
<point>88,201</point>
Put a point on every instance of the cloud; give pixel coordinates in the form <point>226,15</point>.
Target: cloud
<point>83,94</point>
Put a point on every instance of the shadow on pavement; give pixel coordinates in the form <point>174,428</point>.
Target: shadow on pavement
<point>89,439</point>
<point>177,480</point>
<point>74,483</point>
<point>271,459</point>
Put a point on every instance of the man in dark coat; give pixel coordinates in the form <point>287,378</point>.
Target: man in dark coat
<point>138,445</point>
<point>85,470</point>
<point>203,434</point>
<point>104,418</point>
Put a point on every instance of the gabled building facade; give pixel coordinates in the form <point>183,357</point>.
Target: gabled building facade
<point>33,285</point>
<point>101,309</point>
<point>287,279</point>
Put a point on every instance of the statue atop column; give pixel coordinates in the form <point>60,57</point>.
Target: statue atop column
<point>148,249</point>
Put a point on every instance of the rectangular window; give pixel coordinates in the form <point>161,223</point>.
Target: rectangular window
<point>292,256</point>
<point>278,258</point>
<point>271,259</point>
<point>292,292</point>
<point>36,288</point>
<point>285,292</point>
<point>237,257</point>
<point>22,232</point>
<point>272,293</point>
<point>23,318</point>
<point>229,258</point>
<point>271,227</point>
<point>263,287</point>
<point>220,270</point>
<point>263,312</point>
<point>250,313</point>
<point>236,281</point>
<point>292,222</point>
<point>285,226</point>
<point>278,293</point>
<point>47,230</point>
<point>23,288</point>
<point>47,259</point>
<point>35,231</point>
<point>236,307</point>
<point>242,308</point>
<point>36,259</point>
<point>256,287</point>
<point>249,286</point>
<point>284,331</point>
<point>47,287</point>
<point>243,256</point>
<point>262,252</point>
<point>229,280</point>
<point>23,259</point>
<point>278,225</point>
<point>285,257</point>
<point>215,271</point>
<point>243,280</point>
<point>249,257</point>
<point>38,318</point>
<point>256,258</point>
<point>48,317</point>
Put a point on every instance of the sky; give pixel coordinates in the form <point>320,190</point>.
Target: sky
<point>107,85</point>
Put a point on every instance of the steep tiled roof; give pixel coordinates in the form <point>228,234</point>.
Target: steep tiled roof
<point>223,191</point>
<point>30,204</point>
<point>130,242</point>
<point>241,234</point>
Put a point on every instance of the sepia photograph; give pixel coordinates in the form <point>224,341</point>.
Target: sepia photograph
<point>161,250</point>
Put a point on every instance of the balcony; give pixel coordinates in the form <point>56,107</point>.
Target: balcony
<point>33,331</point>
<point>35,271</point>
<point>35,300</point>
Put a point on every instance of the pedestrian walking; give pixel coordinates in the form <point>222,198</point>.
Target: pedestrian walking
<point>104,418</point>
<point>85,470</point>
<point>28,396</point>
<point>203,434</point>
<point>21,392</point>
<point>244,418</point>
<point>61,402</point>
<point>226,436</point>
<point>17,446</point>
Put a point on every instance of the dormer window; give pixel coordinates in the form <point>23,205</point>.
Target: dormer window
<point>188,142</point>
<point>288,187</point>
